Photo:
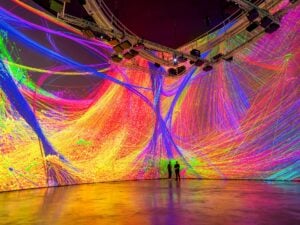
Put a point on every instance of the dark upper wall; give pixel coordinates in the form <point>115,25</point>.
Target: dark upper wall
<point>172,23</point>
<point>168,22</point>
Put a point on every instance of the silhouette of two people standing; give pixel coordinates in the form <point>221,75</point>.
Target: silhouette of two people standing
<point>177,170</point>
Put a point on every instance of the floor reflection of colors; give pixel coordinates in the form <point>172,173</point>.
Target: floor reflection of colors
<point>156,202</point>
<point>68,116</point>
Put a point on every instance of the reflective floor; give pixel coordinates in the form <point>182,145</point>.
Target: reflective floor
<point>156,202</point>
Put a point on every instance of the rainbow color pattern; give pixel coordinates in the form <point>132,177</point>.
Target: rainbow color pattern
<point>69,116</point>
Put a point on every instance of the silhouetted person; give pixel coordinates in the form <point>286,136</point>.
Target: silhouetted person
<point>177,169</point>
<point>170,170</point>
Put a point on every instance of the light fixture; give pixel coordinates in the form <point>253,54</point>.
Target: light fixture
<point>217,57</point>
<point>195,53</point>
<point>157,65</point>
<point>269,25</point>
<point>118,49</point>
<point>272,27</point>
<point>116,58</point>
<point>252,15</point>
<point>113,41</point>
<point>207,68</point>
<point>181,59</point>
<point>102,36</point>
<point>228,58</point>
<point>252,26</point>
<point>125,44</point>
<point>139,46</point>
<point>122,46</point>
<point>173,72</point>
<point>175,60</point>
<point>130,54</point>
<point>199,62</point>
<point>266,21</point>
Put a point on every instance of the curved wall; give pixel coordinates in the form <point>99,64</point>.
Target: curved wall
<point>68,116</point>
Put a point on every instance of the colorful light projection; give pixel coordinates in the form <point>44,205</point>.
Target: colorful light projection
<point>68,116</point>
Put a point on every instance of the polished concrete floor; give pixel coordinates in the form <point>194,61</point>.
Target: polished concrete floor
<point>156,202</point>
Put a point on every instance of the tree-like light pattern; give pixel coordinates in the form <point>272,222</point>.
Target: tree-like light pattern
<point>68,115</point>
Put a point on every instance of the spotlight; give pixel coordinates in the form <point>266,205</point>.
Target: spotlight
<point>199,62</point>
<point>157,65</point>
<point>116,58</point>
<point>272,27</point>
<point>252,26</point>
<point>130,54</point>
<point>122,46</point>
<point>103,36</point>
<point>207,68</point>
<point>181,70</point>
<point>228,58</point>
<point>173,72</point>
<point>125,45</point>
<point>139,46</point>
<point>113,41</point>
<point>196,53</point>
<point>269,25</point>
<point>217,57</point>
<point>266,21</point>
<point>118,49</point>
<point>175,60</point>
<point>252,15</point>
<point>181,59</point>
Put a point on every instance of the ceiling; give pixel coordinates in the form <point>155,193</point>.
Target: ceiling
<point>168,22</point>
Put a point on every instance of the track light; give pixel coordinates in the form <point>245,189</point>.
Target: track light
<point>199,62</point>
<point>269,25</point>
<point>228,58</point>
<point>157,65</point>
<point>181,70</point>
<point>252,26</point>
<point>272,27</point>
<point>103,36</point>
<point>181,59</point>
<point>217,57</point>
<point>252,15</point>
<point>116,58</point>
<point>139,46</point>
<point>175,60</point>
<point>118,49</point>
<point>113,41</point>
<point>130,54</point>
<point>207,68</point>
<point>195,53</point>
<point>122,46</point>
<point>266,21</point>
<point>173,72</point>
<point>125,44</point>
